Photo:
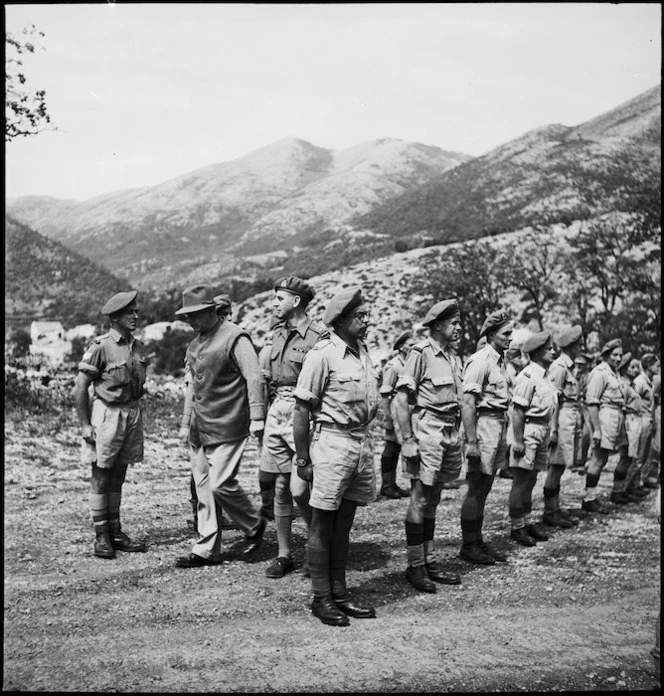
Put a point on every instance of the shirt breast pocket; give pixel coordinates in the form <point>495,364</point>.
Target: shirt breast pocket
<point>349,387</point>
<point>117,374</point>
<point>443,387</point>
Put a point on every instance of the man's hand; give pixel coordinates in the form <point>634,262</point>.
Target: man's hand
<point>410,450</point>
<point>597,436</point>
<point>256,427</point>
<point>553,440</point>
<point>183,436</point>
<point>306,473</point>
<point>88,434</point>
<point>519,449</point>
<point>472,450</point>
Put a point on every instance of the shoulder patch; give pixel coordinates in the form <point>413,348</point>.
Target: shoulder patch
<point>526,374</point>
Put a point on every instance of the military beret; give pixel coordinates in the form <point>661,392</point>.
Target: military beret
<point>196,298</point>
<point>625,361</point>
<point>570,335</point>
<point>648,359</point>
<point>581,360</point>
<point>119,301</point>
<point>441,310</point>
<point>535,341</point>
<point>341,304</point>
<point>611,345</point>
<point>222,301</point>
<point>297,286</point>
<point>494,321</point>
<point>401,340</point>
<point>481,343</point>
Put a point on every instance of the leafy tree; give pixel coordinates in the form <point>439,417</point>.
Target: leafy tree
<point>25,108</point>
<point>167,355</point>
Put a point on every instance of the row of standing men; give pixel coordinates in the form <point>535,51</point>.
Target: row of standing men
<point>323,396</point>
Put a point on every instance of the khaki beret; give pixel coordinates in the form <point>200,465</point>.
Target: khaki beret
<point>297,286</point>
<point>625,361</point>
<point>535,341</point>
<point>494,321</point>
<point>341,304</point>
<point>611,345</point>
<point>441,310</point>
<point>648,359</point>
<point>196,298</point>
<point>119,301</point>
<point>570,335</point>
<point>401,340</point>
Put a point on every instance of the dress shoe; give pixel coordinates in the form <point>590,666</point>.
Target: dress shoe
<point>522,537</point>
<point>104,547</point>
<point>474,554</point>
<point>594,506</point>
<point>326,610</point>
<point>279,567</point>
<point>121,542</point>
<point>569,516</point>
<point>498,556</point>
<point>351,608</point>
<point>418,578</point>
<point>536,532</point>
<point>505,473</point>
<point>252,543</point>
<point>619,498</point>
<point>437,574</point>
<point>192,560</point>
<point>555,519</point>
<point>393,492</point>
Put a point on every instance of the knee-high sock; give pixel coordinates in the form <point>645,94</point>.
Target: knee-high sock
<point>98,510</point>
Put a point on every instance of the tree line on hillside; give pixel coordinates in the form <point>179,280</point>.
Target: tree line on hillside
<point>606,277</point>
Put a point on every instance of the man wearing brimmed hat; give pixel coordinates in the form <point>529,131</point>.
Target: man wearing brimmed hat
<point>644,384</point>
<point>390,458</point>
<point>337,393</point>
<point>228,406</point>
<point>605,399</point>
<point>628,464</point>
<point>484,414</point>
<point>431,447</point>
<point>112,429</point>
<point>565,426</point>
<point>293,337</point>
<point>533,405</point>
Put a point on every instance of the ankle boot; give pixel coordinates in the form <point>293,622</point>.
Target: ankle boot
<point>103,546</point>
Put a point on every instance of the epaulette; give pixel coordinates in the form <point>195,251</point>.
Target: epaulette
<point>419,347</point>
<point>99,339</point>
<point>319,328</point>
<point>526,374</point>
<point>321,344</point>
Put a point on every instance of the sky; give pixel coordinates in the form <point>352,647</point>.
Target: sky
<point>143,93</point>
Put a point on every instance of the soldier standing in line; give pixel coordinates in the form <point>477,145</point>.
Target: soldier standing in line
<point>534,403</point>
<point>431,440</point>
<point>565,426</point>
<point>228,406</point>
<point>606,401</point>
<point>337,393</point>
<point>112,429</point>
<point>515,362</point>
<point>644,386</point>
<point>292,338</point>
<point>389,460</point>
<point>484,415</point>
<point>581,371</point>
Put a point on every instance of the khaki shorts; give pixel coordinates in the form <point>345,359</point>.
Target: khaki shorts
<point>439,442</point>
<point>492,442</point>
<point>278,444</point>
<point>569,432</point>
<point>118,430</point>
<point>612,425</point>
<point>343,468</point>
<point>633,430</point>
<point>536,441</point>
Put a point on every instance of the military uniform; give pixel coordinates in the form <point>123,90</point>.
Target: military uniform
<point>644,387</point>
<point>606,391</point>
<point>391,373</point>
<point>561,374</point>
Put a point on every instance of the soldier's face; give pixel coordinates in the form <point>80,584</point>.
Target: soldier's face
<point>634,368</point>
<point>502,338</point>
<point>450,328</point>
<point>614,358</point>
<point>203,320</point>
<point>284,304</point>
<point>547,353</point>
<point>357,322</point>
<point>127,318</point>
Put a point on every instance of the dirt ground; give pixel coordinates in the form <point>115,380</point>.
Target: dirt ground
<point>575,613</point>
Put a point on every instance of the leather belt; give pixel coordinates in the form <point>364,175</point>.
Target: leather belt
<point>492,412</point>
<point>538,420</point>
<point>362,428</point>
<point>613,406</point>
<point>453,417</point>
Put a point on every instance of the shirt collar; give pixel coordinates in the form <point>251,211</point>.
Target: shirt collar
<point>301,328</point>
<point>538,370</point>
<point>118,337</point>
<point>565,360</point>
<point>493,353</point>
<point>437,348</point>
<point>342,346</point>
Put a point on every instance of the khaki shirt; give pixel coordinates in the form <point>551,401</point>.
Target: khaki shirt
<point>535,392</point>
<point>391,373</point>
<point>289,346</point>
<point>117,367</point>
<point>644,388</point>
<point>341,386</point>
<point>484,376</point>
<point>432,376</point>
<point>561,374</point>
<point>632,399</point>
<point>604,387</point>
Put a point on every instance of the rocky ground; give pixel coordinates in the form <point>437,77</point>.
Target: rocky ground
<point>576,613</point>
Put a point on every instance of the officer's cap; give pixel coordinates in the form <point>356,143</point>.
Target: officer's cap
<point>401,340</point>
<point>341,304</point>
<point>441,310</point>
<point>537,340</point>
<point>223,301</point>
<point>494,321</point>
<point>119,301</point>
<point>570,335</point>
<point>195,298</point>
<point>297,286</point>
<point>625,361</point>
<point>611,345</point>
<point>648,359</point>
